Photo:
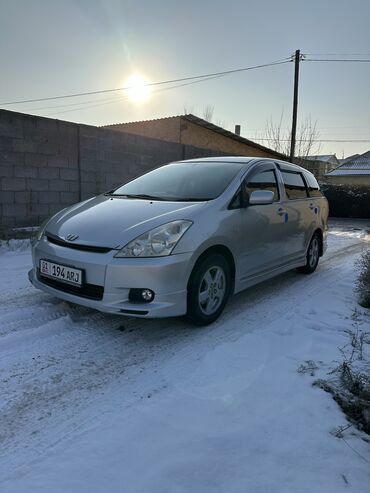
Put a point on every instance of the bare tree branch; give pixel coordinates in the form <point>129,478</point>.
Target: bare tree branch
<point>208,112</point>
<point>306,139</point>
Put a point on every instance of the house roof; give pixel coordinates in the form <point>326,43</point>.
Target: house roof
<point>321,157</point>
<point>349,158</point>
<point>357,165</point>
<point>231,135</point>
<point>326,158</point>
<point>215,128</point>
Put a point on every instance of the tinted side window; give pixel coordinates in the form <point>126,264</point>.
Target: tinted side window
<point>313,186</point>
<point>295,187</point>
<point>263,181</point>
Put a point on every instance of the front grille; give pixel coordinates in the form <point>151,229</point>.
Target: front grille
<point>90,291</point>
<point>86,248</point>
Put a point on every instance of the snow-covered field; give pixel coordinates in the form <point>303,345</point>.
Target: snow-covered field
<point>97,403</point>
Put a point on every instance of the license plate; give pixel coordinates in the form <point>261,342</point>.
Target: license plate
<point>61,272</point>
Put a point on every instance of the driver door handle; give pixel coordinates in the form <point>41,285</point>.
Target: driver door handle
<point>281,211</point>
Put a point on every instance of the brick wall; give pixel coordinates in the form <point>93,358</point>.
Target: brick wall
<point>46,165</point>
<point>199,136</point>
<point>182,130</point>
<point>167,129</point>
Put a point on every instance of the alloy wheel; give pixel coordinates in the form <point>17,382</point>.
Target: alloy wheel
<point>313,252</point>
<point>212,290</point>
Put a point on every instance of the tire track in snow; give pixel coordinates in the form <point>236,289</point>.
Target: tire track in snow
<point>29,319</point>
<point>59,365</point>
<point>78,352</point>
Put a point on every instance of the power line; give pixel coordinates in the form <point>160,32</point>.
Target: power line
<point>80,103</point>
<point>320,129</point>
<point>337,54</point>
<point>363,60</point>
<point>346,126</point>
<point>186,81</point>
<point>316,140</point>
<point>125,98</point>
<point>172,81</point>
<point>119,100</point>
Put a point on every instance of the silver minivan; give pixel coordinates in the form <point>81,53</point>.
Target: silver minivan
<point>183,237</point>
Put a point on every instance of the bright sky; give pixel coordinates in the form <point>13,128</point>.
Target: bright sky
<point>58,47</point>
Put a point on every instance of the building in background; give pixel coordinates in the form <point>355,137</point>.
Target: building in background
<point>349,158</point>
<point>319,165</point>
<point>194,131</point>
<point>354,171</point>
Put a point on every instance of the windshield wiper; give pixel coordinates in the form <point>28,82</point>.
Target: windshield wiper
<point>145,196</point>
<point>192,199</point>
<point>138,196</point>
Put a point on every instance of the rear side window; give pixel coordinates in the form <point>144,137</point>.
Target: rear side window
<point>266,180</point>
<point>313,186</point>
<point>295,187</point>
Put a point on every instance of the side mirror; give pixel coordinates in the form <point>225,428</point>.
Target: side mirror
<point>261,197</point>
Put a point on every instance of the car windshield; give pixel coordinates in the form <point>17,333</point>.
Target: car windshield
<point>195,181</point>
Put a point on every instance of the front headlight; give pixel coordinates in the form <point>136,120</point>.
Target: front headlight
<point>158,242</point>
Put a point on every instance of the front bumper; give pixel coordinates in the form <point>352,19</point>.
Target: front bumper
<point>114,277</point>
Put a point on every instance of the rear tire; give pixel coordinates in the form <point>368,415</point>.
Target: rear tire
<point>208,290</point>
<point>313,255</point>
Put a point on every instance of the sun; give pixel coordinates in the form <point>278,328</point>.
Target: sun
<point>138,90</point>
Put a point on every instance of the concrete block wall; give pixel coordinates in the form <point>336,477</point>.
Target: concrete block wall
<point>35,154</point>
<point>46,165</point>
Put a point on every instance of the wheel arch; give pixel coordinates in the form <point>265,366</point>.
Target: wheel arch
<point>220,250</point>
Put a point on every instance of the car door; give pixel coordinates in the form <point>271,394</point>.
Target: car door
<point>297,207</point>
<point>263,225</point>
<point>316,204</point>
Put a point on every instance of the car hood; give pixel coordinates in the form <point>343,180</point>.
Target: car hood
<point>114,221</point>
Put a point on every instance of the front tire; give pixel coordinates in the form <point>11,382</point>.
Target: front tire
<point>208,290</point>
<point>313,255</point>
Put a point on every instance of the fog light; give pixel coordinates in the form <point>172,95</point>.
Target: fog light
<point>147,295</point>
<point>141,295</point>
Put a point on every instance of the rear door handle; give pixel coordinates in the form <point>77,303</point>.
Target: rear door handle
<point>312,206</point>
<point>281,211</point>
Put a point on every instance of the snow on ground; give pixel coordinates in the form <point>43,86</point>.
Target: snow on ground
<point>91,402</point>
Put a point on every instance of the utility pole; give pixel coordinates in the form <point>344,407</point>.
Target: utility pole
<point>297,59</point>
